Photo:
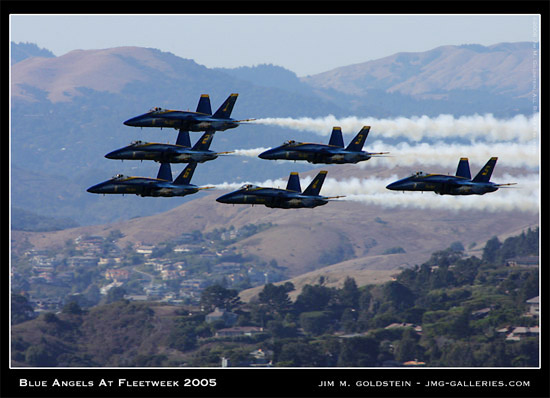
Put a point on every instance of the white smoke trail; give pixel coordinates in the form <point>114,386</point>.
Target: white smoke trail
<point>372,191</point>
<point>416,128</point>
<point>443,154</point>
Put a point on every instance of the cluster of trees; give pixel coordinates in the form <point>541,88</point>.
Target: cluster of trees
<point>448,311</point>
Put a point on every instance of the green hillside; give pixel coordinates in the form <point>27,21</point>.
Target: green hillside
<point>452,310</point>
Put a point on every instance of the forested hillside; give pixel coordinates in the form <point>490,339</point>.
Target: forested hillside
<point>452,310</point>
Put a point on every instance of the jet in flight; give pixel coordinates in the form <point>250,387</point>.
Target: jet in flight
<point>334,152</point>
<point>181,152</point>
<point>144,186</point>
<point>290,198</point>
<point>201,120</point>
<point>459,184</point>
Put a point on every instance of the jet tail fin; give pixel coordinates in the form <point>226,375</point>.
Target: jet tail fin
<point>204,142</point>
<point>336,137</point>
<point>204,105</point>
<point>357,143</point>
<point>185,176</point>
<point>314,187</point>
<point>485,173</point>
<point>165,172</point>
<point>463,169</point>
<point>224,111</point>
<point>294,183</point>
<point>183,138</point>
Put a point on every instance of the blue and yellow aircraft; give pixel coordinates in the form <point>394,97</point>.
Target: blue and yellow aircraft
<point>290,198</point>
<point>334,152</point>
<point>201,120</point>
<point>460,184</point>
<point>181,152</point>
<point>144,186</point>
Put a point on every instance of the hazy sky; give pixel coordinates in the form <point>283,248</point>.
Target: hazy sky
<point>304,44</point>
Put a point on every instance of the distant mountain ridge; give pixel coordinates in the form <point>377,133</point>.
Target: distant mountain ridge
<point>433,74</point>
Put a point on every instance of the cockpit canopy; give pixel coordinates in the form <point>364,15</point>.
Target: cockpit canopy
<point>119,177</point>
<point>137,142</point>
<point>290,142</point>
<point>418,174</point>
<point>156,109</point>
<point>247,187</point>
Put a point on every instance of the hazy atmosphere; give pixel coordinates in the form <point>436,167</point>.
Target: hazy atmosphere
<point>314,191</point>
<point>304,44</point>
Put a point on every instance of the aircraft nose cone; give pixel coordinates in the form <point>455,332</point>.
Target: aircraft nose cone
<point>134,121</point>
<point>266,154</point>
<point>93,189</point>
<point>224,198</point>
<point>393,186</point>
<point>113,155</point>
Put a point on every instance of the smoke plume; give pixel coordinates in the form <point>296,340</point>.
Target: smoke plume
<point>474,127</point>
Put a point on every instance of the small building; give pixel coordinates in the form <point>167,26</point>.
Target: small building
<point>239,331</point>
<point>533,306</point>
<point>229,318</point>
<point>528,261</point>
<point>117,274</point>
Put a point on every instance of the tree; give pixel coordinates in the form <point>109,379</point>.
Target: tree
<point>217,296</point>
<point>275,298</point>
<point>349,294</point>
<point>490,251</point>
<point>115,294</point>
<point>21,310</point>
<point>358,351</point>
<point>316,322</point>
<point>72,307</point>
<point>314,298</point>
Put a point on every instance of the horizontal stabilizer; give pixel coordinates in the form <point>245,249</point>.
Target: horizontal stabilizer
<point>294,183</point>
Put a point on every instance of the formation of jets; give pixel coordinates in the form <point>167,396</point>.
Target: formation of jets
<point>291,197</point>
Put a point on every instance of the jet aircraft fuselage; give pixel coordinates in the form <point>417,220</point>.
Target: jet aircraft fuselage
<point>272,197</point>
<point>290,198</point>
<point>333,153</point>
<point>183,120</point>
<point>459,184</point>
<point>442,185</point>
<point>161,153</point>
<point>314,153</point>
<point>142,186</point>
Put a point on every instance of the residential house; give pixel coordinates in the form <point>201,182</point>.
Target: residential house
<point>229,318</point>
<point>239,331</point>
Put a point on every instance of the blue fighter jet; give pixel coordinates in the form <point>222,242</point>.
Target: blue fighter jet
<point>143,186</point>
<point>460,184</point>
<point>290,198</point>
<point>201,120</point>
<point>334,152</point>
<point>181,152</point>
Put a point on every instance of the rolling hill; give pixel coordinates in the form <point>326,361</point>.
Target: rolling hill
<point>340,239</point>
